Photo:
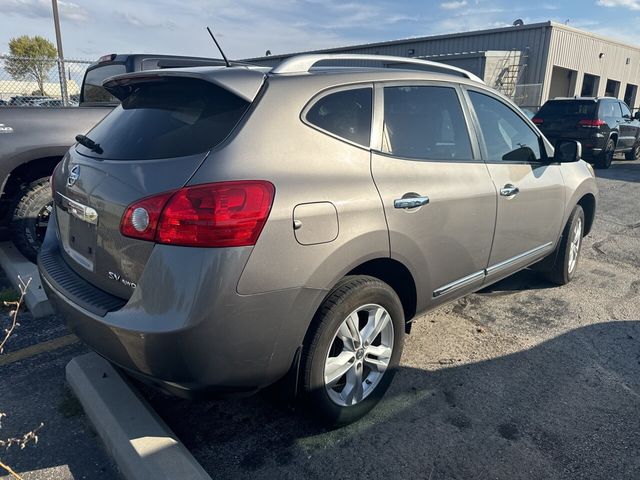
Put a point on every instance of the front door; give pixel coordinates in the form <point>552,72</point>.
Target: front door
<point>438,197</point>
<point>530,187</point>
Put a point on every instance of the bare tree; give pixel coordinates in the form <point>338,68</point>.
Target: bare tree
<point>31,436</point>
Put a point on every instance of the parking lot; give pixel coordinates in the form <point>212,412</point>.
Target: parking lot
<point>521,380</point>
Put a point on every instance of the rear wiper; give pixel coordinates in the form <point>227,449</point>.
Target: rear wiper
<point>90,144</point>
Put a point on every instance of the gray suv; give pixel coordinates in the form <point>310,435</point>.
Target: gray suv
<point>224,228</point>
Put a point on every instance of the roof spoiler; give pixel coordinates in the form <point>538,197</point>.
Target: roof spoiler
<point>243,82</point>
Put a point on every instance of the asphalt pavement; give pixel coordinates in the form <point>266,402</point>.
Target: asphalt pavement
<point>523,380</point>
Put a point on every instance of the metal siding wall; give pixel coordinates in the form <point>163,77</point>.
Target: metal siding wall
<point>513,38</point>
<point>580,51</point>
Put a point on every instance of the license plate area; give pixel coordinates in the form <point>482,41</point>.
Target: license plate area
<point>78,238</point>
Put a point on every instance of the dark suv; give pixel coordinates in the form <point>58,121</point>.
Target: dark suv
<point>604,126</point>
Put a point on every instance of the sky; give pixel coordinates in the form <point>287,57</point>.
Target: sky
<point>247,28</point>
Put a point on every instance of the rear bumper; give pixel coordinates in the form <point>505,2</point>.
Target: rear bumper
<point>186,329</point>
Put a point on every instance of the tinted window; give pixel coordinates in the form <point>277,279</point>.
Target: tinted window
<point>346,114</point>
<point>506,135</point>
<point>171,118</point>
<point>609,109</point>
<point>568,108</point>
<point>93,90</point>
<point>625,110</point>
<point>425,123</point>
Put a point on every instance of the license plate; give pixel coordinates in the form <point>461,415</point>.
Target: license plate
<point>78,238</point>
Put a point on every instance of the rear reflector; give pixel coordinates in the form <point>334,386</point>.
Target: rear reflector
<point>225,214</point>
<point>537,121</point>
<point>590,123</point>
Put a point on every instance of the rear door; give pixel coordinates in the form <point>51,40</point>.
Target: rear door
<point>153,142</point>
<point>438,197</point>
<point>628,128</point>
<point>530,187</point>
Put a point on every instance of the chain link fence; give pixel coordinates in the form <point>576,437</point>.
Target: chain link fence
<point>528,96</point>
<point>36,82</point>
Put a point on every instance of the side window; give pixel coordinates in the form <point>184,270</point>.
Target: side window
<point>506,135</point>
<point>346,114</point>
<point>425,123</point>
<point>625,110</point>
<point>609,110</point>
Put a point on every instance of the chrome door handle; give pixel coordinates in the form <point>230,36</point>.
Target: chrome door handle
<point>509,190</point>
<point>410,202</point>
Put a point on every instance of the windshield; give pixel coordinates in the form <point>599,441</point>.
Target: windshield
<point>568,108</point>
<point>173,117</point>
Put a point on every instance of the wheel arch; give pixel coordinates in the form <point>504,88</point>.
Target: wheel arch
<point>397,276</point>
<point>28,172</point>
<point>614,136</point>
<point>588,204</point>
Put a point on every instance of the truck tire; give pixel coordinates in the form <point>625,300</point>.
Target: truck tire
<point>31,216</point>
<point>604,159</point>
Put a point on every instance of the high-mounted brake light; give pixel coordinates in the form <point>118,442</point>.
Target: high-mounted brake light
<point>590,123</point>
<point>107,58</point>
<point>537,121</point>
<point>224,214</point>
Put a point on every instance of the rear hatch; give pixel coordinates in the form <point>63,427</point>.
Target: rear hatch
<point>561,118</point>
<point>152,143</point>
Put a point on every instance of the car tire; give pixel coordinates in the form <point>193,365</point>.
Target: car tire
<point>30,217</point>
<point>360,373</point>
<point>568,252</point>
<point>604,160</point>
<point>634,154</point>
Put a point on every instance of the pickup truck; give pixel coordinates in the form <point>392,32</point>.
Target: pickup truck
<point>33,140</point>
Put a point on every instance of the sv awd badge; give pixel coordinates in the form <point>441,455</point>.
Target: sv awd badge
<point>118,278</point>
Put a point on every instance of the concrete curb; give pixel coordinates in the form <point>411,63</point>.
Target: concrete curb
<point>14,265</point>
<point>141,444</point>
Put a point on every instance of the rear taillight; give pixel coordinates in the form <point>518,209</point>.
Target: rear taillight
<point>225,214</point>
<point>590,123</point>
<point>537,121</point>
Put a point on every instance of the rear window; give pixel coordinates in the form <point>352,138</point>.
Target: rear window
<point>567,108</point>
<point>346,113</point>
<point>170,118</point>
<point>93,91</point>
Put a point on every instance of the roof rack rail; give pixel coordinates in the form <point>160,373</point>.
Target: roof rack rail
<point>304,63</point>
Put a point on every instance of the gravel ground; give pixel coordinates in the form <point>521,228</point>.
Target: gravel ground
<point>523,380</point>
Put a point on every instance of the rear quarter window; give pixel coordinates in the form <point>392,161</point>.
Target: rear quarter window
<point>174,117</point>
<point>345,114</point>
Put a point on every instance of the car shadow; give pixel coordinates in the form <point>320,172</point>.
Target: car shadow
<point>566,408</point>
<point>523,280</point>
<point>621,170</point>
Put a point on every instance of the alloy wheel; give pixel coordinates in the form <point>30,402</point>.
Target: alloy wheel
<point>359,355</point>
<point>574,246</point>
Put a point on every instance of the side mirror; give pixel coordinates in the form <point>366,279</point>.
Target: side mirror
<point>636,116</point>
<point>567,151</point>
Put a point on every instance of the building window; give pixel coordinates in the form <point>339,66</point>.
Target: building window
<point>612,89</point>
<point>590,85</point>
<point>630,93</point>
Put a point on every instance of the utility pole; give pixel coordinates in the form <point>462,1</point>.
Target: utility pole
<point>61,68</point>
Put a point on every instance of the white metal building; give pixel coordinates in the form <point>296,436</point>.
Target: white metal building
<point>530,63</point>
